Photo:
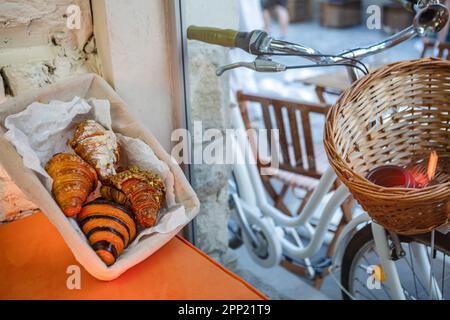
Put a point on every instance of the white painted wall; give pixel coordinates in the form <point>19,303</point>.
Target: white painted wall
<point>135,56</point>
<point>213,13</point>
<point>134,40</point>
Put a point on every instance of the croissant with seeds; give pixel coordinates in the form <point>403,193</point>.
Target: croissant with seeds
<point>144,191</point>
<point>97,146</point>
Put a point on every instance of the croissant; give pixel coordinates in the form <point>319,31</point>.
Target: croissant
<point>97,146</point>
<point>73,181</point>
<point>109,228</point>
<point>144,190</point>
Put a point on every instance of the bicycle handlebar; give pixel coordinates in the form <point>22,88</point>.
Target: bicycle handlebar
<point>222,37</point>
<point>430,16</point>
<point>250,42</point>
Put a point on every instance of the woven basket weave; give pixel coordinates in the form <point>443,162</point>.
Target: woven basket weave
<point>397,115</point>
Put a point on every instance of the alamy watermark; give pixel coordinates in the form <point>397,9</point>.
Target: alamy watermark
<point>227,147</point>
<point>374,19</point>
<point>73,281</point>
<point>73,17</point>
<point>376,278</point>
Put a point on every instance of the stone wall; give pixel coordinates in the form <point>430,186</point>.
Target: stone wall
<point>37,49</point>
<point>210,100</point>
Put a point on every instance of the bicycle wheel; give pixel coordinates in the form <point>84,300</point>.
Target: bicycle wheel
<point>360,259</point>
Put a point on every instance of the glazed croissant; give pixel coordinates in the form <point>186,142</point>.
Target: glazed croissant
<point>73,181</point>
<point>144,190</point>
<point>97,146</point>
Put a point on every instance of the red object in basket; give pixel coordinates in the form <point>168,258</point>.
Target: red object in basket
<point>391,176</point>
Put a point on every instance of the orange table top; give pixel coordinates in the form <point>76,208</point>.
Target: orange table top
<point>34,260</point>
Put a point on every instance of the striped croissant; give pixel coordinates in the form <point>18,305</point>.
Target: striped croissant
<point>109,228</point>
<point>73,181</point>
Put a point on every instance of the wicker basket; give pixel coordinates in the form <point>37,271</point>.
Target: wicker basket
<point>397,115</point>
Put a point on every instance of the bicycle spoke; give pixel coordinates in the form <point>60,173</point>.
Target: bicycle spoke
<point>386,291</point>
<point>360,293</point>
<point>365,287</point>
<point>414,273</point>
<point>408,295</point>
<point>431,284</point>
<point>367,261</point>
<point>363,267</point>
<point>443,274</point>
<point>416,278</point>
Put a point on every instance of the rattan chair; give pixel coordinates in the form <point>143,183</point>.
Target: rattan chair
<point>443,49</point>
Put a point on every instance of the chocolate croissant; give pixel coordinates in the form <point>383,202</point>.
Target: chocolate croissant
<point>109,228</point>
<point>97,146</point>
<point>73,181</point>
<point>144,190</point>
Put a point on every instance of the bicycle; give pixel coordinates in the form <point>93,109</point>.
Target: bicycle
<point>363,247</point>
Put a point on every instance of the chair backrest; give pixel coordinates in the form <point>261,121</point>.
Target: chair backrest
<point>293,121</point>
<point>443,49</point>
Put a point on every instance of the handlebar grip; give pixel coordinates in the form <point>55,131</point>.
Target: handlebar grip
<point>221,37</point>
